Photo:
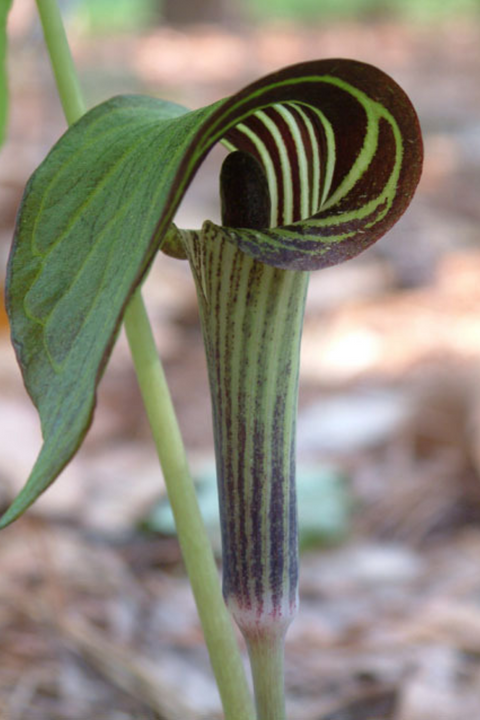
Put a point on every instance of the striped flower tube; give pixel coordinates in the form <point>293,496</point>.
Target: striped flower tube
<point>252,317</point>
<point>316,174</point>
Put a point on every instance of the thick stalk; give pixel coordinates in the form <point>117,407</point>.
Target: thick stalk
<point>266,660</point>
<point>197,552</point>
<point>252,317</point>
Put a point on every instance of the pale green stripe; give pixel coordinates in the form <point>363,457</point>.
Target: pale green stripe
<point>287,209</point>
<point>361,164</point>
<point>315,189</point>
<point>302,159</point>
<point>269,170</point>
<point>330,155</point>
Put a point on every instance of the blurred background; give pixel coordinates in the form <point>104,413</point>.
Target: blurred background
<point>96,617</point>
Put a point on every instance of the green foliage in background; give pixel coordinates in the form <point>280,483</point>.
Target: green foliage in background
<point>100,16</point>
<point>116,15</point>
<point>104,16</point>
<point>426,10</point>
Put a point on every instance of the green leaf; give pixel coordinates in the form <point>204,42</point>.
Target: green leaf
<point>341,149</point>
<point>83,243</point>
<point>5,6</point>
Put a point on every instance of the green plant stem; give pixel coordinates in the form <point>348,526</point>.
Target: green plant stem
<point>194,542</point>
<point>63,66</point>
<point>267,660</point>
<point>197,552</point>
